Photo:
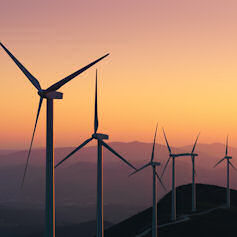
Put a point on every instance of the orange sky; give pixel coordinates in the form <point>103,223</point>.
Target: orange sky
<point>171,61</point>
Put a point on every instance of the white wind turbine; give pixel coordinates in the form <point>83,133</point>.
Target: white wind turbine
<point>49,94</point>
<point>228,163</point>
<point>173,156</point>
<point>100,143</point>
<point>153,165</point>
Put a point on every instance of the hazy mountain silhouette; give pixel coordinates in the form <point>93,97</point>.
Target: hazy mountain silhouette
<point>217,222</point>
<point>76,180</point>
<point>85,229</point>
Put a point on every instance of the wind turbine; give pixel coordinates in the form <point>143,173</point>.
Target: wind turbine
<point>172,156</point>
<point>228,163</point>
<point>100,143</point>
<point>193,155</point>
<point>153,165</point>
<point>50,94</point>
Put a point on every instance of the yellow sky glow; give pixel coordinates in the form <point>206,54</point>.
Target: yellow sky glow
<point>171,61</point>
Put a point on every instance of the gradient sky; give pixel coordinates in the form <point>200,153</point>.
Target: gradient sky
<point>172,61</point>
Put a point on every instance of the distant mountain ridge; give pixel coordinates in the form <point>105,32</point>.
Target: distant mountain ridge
<point>137,151</point>
<point>211,218</point>
<point>76,178</point>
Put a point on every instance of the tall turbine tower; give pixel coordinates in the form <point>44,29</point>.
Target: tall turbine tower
<point>193,156</point>
<point>50,94</point>
<point>172,156</point>
<point>153,165</point>
<point>228,163</point>
<point>100,143</point>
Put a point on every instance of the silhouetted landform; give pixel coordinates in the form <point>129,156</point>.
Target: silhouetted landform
<point>23,222</point>
<point>28,222</point>
<point>218,222</point>
<point>85,229</point>
<point>76,182</point>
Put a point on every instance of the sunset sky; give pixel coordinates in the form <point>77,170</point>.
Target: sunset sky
<point>172,61</point>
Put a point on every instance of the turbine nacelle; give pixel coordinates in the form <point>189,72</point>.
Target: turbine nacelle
<point>228,157</point>
<point>155,163</point>
<point>100,136</point>
<point>50,95</point>
<point>183,154</point>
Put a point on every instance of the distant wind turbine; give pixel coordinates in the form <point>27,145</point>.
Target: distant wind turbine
<point>100,143</point>
<point>228,163</point>
<point>193,155</point>
<point>49,94</point>
<point>173,156</point>
<point>153,164</point>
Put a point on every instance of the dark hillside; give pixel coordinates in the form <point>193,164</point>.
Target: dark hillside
<point>220,222</point>
<point>208,197</point>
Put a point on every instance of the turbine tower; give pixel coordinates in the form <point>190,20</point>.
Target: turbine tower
<point>193,156</point>
<point>50,94</point>
<point>153,165</point>
<point>100,143</point>
<point>228,164</point>
<point>172,156</point>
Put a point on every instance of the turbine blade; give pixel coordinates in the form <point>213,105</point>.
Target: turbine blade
<point>166,164</point>
<point>158,177</point>
<point>96,123</point>
<point>154,142</point>
<point>232,166</point>
<point>226,149</point>
<point>194,146</point>
<point>143,167</point>
<point>32,79</point>
<point>62,82</point>
<point>116,154</point>
<point>31,143</point>
<point>166,141</point>
<point>75,150</point>
<point>218,162</point>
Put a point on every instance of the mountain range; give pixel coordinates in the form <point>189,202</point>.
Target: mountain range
<point>76,180</point>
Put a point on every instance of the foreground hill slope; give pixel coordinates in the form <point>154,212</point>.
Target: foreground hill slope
<point>210,220</point>
<point>219,222</point>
